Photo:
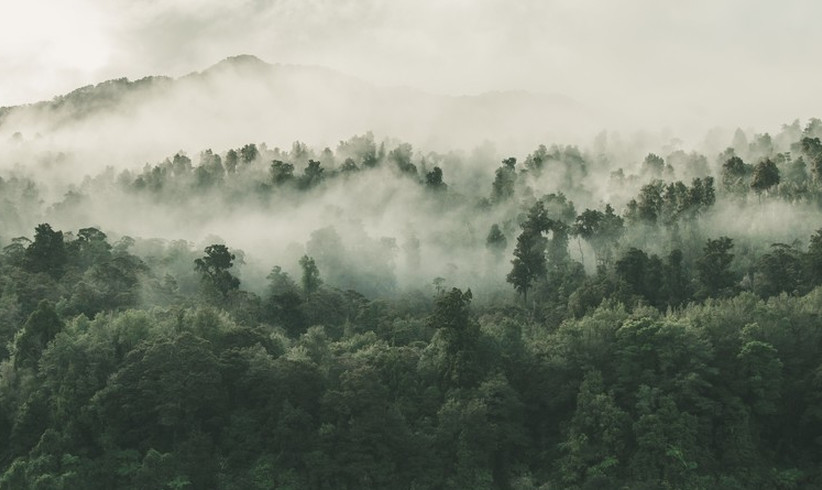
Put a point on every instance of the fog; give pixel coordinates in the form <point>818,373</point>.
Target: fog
<point>101,97</point>
<point>380,228</point>
<point>649,64</point>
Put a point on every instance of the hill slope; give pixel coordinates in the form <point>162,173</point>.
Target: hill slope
<point>243,98</point>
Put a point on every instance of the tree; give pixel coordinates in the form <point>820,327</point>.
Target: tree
<point>648,206</point>
<point>90,247</point>
<point>249,153</point>
<point>214,267</point>
<point>282,303</point>
<point>529,262</point>
<point>653,164</point>
<point>210,171</point>
<point>40,328</point>
<point>496,241</point>
<point>433,180</point>
<point>180,164</point>
<point>765,176</point>
<point>281,172</point>
<point>781,271</point>
<point>312,175</point>
<point>166,391</point>
<point>506,177</point>
<point>231,159</point>
<point>595,438</point>
<point>713,268</point>
<point>15,252</point>
<point>349,166</point>
<point>401,156</point>
<point>47,253</point>
<point>311,281</point>
<point>676,283</point>
<point>760,376</point>
<point>735,173</point>
<point>702,193</point>
<point>460,335</point>
<point>536,161</point>
<point>600,230</point>
<point>813,260</point>
<point>610,231</point>
<point>643,275</point>
<point>812,149</point>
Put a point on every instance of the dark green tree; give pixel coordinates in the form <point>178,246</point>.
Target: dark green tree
<point>214,267</point>
<point>765,176</point>
<point>460,336</point>
<point>714,268</point>
<point>47,253</point>
<point>735,174</point>
<point>642,274</point>
<point>282,303</point>
<point>249,153</point>
<point>780,270</point>
<point>40,328</point>
<point>312,175</point>
<point>311,281</point>
<point>505,181</point>
<point>601,230</point>
<point>529,262</point>
<point>281,172</point>
<point>433,180</point>
<point>813,260</point>
<point>91,247</point>
<point>648,206</point>
<point>812,150</point>
<point>595,439</point>
<point>677,288</point>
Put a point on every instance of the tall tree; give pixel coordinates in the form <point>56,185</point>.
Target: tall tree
<point>47,253</point>
<point>529,262</point>
<point>781,270</point>
<point>311,281</point>
<point>433,180</point>
<point>505,180</point>
<point>714,268</point>
<point>460,334</point>
<point>281,172</point>
<point>214,267</point>
<point>249,153</point>
<point>40,328</point>
<point>765,176</point>
<point>735,173</point>
<point>312,175</point>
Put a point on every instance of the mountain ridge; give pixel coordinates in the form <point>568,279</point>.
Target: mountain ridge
<point>243,98</point>
<point>247,64</point>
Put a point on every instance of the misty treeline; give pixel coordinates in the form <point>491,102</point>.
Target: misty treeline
<point>374,317</point>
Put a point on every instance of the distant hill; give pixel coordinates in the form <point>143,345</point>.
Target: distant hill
<point>244,99</point>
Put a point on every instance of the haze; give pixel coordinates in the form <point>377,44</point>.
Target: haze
<point>648,63</point>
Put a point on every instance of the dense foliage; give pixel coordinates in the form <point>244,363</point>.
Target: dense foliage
<point>629,349</point>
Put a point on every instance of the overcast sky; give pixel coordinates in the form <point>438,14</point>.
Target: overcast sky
<point>740,62</point>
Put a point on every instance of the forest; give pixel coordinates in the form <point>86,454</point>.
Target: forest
<point>626,314</point>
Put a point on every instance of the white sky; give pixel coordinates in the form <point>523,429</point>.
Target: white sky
<point>727,62</point>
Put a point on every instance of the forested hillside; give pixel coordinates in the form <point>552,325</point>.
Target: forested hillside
<point>628,314</point>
